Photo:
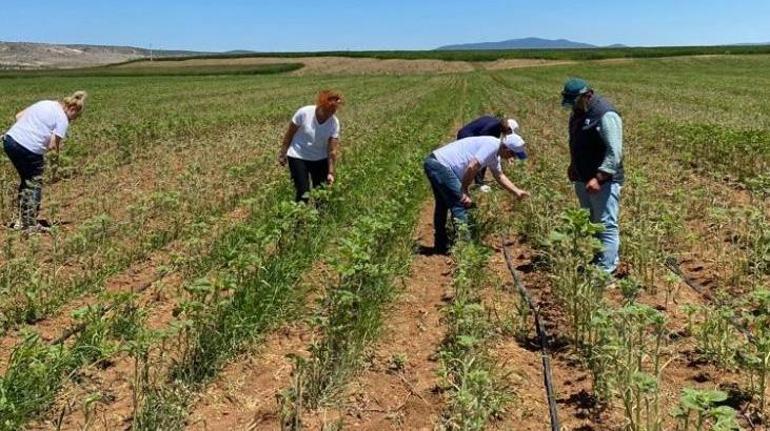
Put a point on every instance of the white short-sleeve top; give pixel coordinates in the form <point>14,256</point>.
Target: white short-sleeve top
<point>37,124</point>
<point>312,138</point>
<point>459,154</point>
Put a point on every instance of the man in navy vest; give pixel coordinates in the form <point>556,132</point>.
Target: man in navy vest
<point>487,125</point>
<point>596,162</point>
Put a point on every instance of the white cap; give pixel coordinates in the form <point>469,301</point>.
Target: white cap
<point>513,124</point>
<point>516,144</point>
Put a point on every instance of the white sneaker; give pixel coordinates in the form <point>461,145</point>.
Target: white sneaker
<point>485,189</point>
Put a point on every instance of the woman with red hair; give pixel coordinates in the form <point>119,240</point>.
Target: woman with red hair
<point>310,144</point>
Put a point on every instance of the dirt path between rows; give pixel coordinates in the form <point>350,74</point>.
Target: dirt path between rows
<point>520,359</point>
<point>243,395</point>
<point>397,390</point>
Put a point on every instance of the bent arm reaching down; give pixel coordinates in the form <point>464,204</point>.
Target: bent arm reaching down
<point>333,148</point>
<point>287,137</point>
<point>467,179</point>
<point>55,143</point>
<point>508,185</point>
<point>470,173</point>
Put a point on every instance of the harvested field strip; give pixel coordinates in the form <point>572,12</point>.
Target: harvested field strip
<point>238,234</point>
<point>491,55</point>
<point>138,71</point>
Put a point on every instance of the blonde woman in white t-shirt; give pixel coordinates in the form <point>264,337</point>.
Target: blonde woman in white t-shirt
<point>38,129</point>
<point>310,144</point>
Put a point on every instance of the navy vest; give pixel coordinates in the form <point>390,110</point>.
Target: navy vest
<point>586,146</point>
<point>482,126</point>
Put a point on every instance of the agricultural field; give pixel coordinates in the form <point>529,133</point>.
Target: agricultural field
<point>180,287</point>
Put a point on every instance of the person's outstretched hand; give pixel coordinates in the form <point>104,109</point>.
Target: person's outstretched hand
<point>522,194</point>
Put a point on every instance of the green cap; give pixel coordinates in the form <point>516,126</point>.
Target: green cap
<point>573,88</point>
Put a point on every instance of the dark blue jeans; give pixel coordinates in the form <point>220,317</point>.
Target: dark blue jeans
<point>30,167</point>
<point>447,190</point>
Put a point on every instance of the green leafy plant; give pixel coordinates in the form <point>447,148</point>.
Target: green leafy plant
<point>700,410</point>
<point>578,285</point>
<point>718,339</point>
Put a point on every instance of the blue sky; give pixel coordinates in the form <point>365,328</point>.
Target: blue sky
<point>303,25</point>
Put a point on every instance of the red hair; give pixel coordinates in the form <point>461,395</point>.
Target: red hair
<point>325,96</point>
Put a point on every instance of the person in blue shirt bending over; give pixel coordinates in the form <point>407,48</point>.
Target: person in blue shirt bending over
<point>487,125</point>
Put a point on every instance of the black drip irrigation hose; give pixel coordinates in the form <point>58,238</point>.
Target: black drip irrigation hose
<point>543,337</point>
<point>673,266</point>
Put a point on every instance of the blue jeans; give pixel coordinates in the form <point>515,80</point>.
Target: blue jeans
<point>604,207</point>
<point>447,190</point>
<point>30,167</point>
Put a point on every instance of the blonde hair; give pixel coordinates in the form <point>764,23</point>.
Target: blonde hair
<point>76,100</point>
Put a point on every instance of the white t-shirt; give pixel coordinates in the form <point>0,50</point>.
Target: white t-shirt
<point>459,154</point>
<point>38,122</point>
<point>312,139</point>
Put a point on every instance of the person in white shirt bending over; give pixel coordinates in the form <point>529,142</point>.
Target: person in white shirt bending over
<point>452,168</point>
<point>310,144</point>
<point>38,129</point>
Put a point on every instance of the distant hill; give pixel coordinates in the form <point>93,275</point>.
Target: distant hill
<point>25,55</point>
<point>753,44</point>
<point>526,43</point>
<point>239,52</point>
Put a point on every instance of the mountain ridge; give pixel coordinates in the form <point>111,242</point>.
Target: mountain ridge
<point>522,43</point>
